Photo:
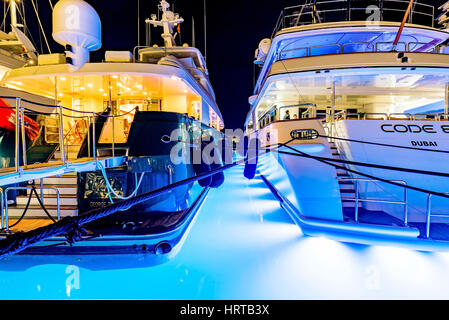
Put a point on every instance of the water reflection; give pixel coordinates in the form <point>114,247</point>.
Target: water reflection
<point>242,246</point>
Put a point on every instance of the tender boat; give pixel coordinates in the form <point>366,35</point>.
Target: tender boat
<point>352,99</point>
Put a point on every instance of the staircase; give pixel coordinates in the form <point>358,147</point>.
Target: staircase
<point>67,186</point>
<point>71,152</point>
<point>347,188</point>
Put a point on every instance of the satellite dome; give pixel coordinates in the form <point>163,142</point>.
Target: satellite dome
<point>76,23</point>
<point>262,50</point>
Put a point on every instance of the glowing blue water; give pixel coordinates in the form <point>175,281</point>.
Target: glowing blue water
<point>242,246</point>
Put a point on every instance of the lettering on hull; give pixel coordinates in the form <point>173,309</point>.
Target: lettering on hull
<point>413,128</point>
<point>304,134</point>
<point>424,144</point>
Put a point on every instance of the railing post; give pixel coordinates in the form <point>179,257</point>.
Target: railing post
<point>61,135</point>
<point>113,136</point>
<point>356,215</point>
<point>433,17</point>
<point>42,190</point>
<point>405,205</point>
<point>58,206</point>
<point>2,208</point>
<point>94,137</point>
<point>6,210</point>
<point>17,136</point>
<point>88,137</point>
<point>24,147</point>
<point>170,173</point>
<point>428,215</point>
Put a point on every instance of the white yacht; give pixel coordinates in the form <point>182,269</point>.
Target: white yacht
<point>356,94</point>
<point>124,108</point>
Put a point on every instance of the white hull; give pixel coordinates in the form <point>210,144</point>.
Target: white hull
<point>371,131</point>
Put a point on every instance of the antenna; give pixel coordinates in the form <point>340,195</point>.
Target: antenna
<point>205,31</point>
<point>148,35</point>
<point>443,18</point>
<point>138,23</point>
<point>193,33</point>
<point>168,21</point>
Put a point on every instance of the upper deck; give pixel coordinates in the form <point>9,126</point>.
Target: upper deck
<point>325,11</point>
<point>351,26</point>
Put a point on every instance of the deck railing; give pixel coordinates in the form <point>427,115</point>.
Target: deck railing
<point>345,115</point>
<point>358,200</point>
<point>4,199</point>
<point>429,214</point>
<point>289,52</point>
<point>320,11</point>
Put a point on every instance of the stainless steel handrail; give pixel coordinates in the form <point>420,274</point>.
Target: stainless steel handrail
<point>399,114</point>
<point>375,49</point>
<point>307,49</point>
<point>357,199</point>
<point>5,197</point>
<point>417,115</point>
<point>84,133</point>
<point>352,114</point>
<point>421,44</point>
<point>338,46</point>
<point>357,43</point>
<point>375,114</point>
<point>134,52</point>
<point>393,48</point>
<point>292,16</point>
<point>20,130</point>
<point>310,112</point>
<point>430,215</point>
<point>2,224</point>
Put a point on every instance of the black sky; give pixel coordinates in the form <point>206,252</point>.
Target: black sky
<point>234,29</point>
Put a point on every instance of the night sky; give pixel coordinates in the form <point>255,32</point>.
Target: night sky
<point>234,29</point>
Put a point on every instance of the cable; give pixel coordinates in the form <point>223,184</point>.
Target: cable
<point>300,153</point>
<point>40,24</point>
<point>383,144</point>
<point>42,205</point>
<point>20,241</point>
<point>33,190</point>
<point>23,214</point>
<point>110,189</point>
<point>377,166</point>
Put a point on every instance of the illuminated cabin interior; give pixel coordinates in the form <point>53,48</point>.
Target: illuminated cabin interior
<point>357,92</point>
<point>90,93</point>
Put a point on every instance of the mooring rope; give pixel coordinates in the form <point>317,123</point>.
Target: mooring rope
<point>382,144</point>
<point>72,228</point>
<point>328,162</point>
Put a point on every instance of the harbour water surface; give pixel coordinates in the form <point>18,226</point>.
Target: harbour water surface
<point>241,246</point>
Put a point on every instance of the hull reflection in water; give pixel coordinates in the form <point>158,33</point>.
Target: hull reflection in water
<point>242,246</point>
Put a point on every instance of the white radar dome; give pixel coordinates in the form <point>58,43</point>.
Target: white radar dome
<point>262,50</point>
<point>76,23</point>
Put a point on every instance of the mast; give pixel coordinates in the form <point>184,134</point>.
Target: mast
<point>167,22</point>
<point>13,12</point>
<point>205,30</point>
